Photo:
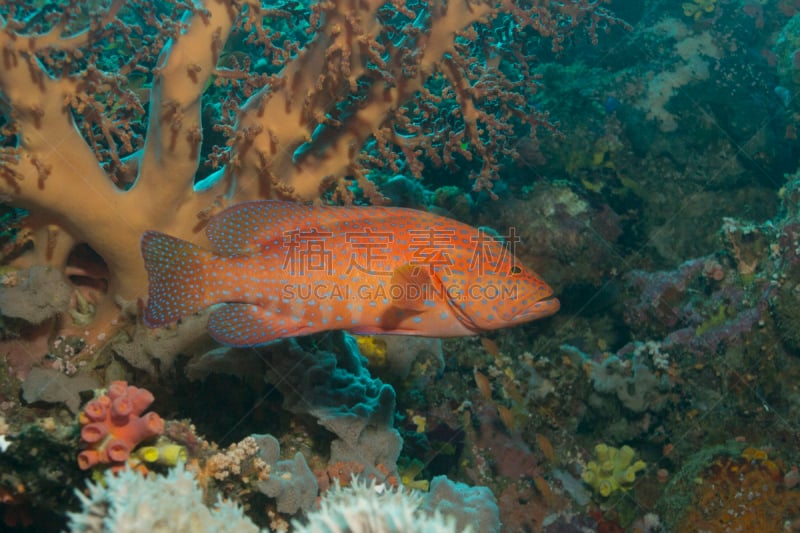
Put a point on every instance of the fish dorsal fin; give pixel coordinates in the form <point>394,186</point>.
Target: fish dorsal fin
<point>410,286</point>
<point>249,226</point>
<point>239,230</point>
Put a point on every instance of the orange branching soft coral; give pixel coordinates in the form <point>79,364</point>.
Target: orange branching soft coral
<point>106,132</point>
<point>113,425</point>
<point>743,494</point>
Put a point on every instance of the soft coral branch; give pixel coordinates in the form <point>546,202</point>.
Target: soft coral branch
<point>48,142</point>
<point>295,109</point>
<point>55,38</point>
<point>174,134</point>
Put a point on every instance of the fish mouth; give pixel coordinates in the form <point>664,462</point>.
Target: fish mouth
<point>541,308</point>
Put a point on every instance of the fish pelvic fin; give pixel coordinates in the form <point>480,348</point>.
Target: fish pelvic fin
<point>175,278</point>
<point>243,325</point>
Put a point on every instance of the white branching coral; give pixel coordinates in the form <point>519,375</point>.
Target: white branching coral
<point>129,502</point>
<point>367,507</point>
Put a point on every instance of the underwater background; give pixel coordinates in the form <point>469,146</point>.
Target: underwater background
<point>640,156</point>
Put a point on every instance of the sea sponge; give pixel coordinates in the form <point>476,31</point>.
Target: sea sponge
<point>613,470</point>
<point>744,493</point>
<point>163,452</point>
<point>373,348</point>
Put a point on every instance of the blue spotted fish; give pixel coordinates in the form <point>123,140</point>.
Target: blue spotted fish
<point>281,269</point>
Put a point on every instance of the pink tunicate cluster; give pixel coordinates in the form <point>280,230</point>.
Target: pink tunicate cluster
<point>113,425</point>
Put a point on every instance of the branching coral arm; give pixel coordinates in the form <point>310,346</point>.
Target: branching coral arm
<point>174,134</point>
<point>47,139</point>
<point>54,38</point>
<point>342,143</point>
<point>284,115</point>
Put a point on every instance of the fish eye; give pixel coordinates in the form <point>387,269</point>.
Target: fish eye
<point>516,270</point>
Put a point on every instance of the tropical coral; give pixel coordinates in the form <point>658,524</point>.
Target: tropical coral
<point>113,425</point>
<point>613,470</point>
<point>363,507</point>
<point>127,502</point>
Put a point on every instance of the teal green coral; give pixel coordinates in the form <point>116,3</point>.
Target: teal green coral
<point>613,470</point>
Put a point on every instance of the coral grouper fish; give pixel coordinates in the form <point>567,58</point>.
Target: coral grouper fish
<point>280,269</point>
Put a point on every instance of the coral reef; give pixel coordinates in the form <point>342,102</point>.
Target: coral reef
<point>29,302</point>
<point>393,356</point>
<point>35,294</point>
<point>738,493</point>
<point>472,507</point>
<point>39,473</point>
<point>53,386</point>
<point>336,388</point>
<point>637,387</point>
<point>291,481</point>
<point>664,207</point>
<point>128,501</point>
<point>106,136</point>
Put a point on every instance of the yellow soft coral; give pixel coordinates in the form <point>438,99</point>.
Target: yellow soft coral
<point>697,8</point>
<point>613,470</point>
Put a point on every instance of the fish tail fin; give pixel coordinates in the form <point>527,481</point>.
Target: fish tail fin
<point>175,278</point>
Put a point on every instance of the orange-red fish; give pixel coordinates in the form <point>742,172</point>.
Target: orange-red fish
<point>281,269</point>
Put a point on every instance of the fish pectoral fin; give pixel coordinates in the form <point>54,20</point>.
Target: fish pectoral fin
<point>237,324</point>
<point>410,286</point>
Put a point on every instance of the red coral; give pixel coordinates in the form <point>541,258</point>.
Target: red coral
<point>113,425</point>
